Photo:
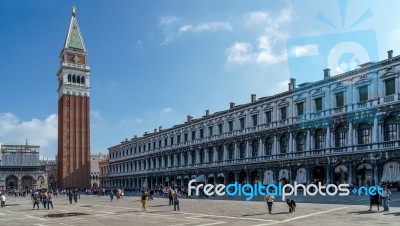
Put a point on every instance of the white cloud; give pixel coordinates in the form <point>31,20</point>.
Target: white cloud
<point>174,27</point>
<point>95,115</point>
<point>167,110</point>
<point>242,52</point>
<point>270,41</point>
<point>208,26</point>
<point>239,52</point>
<point>38,132</point>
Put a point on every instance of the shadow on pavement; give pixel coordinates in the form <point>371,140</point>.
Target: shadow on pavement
<point>363,212</point>
<point>394,214</point>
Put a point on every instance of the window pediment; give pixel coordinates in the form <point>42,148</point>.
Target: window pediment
<point>363,81</point>
<point>283,103</point>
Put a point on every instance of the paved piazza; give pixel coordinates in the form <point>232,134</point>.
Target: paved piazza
<point>100,211</point>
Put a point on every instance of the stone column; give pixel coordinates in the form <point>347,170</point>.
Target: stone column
<point>247,149</point>
<point>350,135</point>
<point>375,131</point>
<point>351,172</point>
<point>290,143</point>
<point>328,137</point>
<point>225,153</point>
<point>275,147</point>
<point>308,140</point>
<point>236,153</point>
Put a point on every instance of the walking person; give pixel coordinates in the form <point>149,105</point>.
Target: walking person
<point>70,196</point>
<point>144,200</point>
<point>374,200</point>
<point>50,201</point>
<point>3,200</point>
<point>76,197</point>
<point>270,200</point>
<point>35,200</point>
<point>111,195</point>
<point>44,200</point>
<point>292,205</point>
<point>171,196</point>
<point>176,199</point>
<point>386,193</point>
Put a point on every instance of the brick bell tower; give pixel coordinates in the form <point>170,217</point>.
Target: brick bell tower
<point>73,111</point>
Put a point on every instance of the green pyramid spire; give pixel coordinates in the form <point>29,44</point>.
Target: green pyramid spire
<point>74,38</point>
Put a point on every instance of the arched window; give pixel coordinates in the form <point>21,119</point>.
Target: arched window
<point>284,141</point>
<point>319,139</point>
<point>172,159</point>
<point>340,136</point>
<point>69,77</point>
<point>390,129</point>
<point>193,157</point>
<point>364,133</point>
<point>231,151</point>
<point>202,155</point>
<point>211,155</point>
<point>74,79</point>
<point>78,79</point>
<point>220,153</point>
<point>268,146</point>
<point>83,80</point>
<point>185,158</point>
<point>242,148</point>
<point>300,142</point>
<point>254,148</point>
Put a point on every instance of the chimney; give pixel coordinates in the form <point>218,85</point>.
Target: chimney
<point>155,130</point>
<point>160,128</point>
<point>390,54</point>
<point>145,133</point>
<point>189,118</point>
<point>207,112</point>
<point>327,73</point>
<point>231,105</point>
<point>253,98</point>
<point>292,84</point>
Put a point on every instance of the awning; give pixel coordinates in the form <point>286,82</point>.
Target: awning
<point>186,177</point>
<point>301,177</point>
<point>179,178</point>
<point>193,176</point>
<point>221,175</point>
<point>283,173</point>
<point>268,177</point>
<point>200,178</point>
<point>364,166</point>
<point>167,179</point>
<point>210,175</point>
<point>341,168</point>
<point>391,172</point>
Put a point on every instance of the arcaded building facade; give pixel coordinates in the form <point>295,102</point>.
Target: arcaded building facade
<point>73,112</point>
<point>341,129</point>
<point>20,168</point>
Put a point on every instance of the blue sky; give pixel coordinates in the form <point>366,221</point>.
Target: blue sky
<point>155,62</point>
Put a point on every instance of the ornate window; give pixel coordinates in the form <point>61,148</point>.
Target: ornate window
<point>339,99</point>
<point>254,148</point>
<point>268,146</point>
<point>231,151</point>
<point>340,136</point>
<point>83,80</point>
<point>390,129</point>
<point>268,116</point>
<point>318,104</point>
<point>242,149</point>
<point>363,93</point>
<point>202,155</point>
<point>193,155</point>
<point>254,119</point>
<point>300,109</point>
<point>300,142</point>
<point>284,141</point>
<point>242,125</point>
<point>230,124</point>
<point>319,139</point>
<point>210,154</point>
<point>364,133</point>
<point>69,77</point>
<point>390,87</point>
<point>220,153</point>
<point>283,113</point>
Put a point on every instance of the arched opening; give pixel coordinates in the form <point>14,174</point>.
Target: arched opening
<point>364,174</point>
<point>69,77</point>
<point>220,178</point>
<point>231,177</point>
<point>301,176</point>
<point>210,179</point>
<point>242,177</point>
<point>284,176</point>
<point>269,142</point>
<point>78,79</point>
<point>11,182</point>
<point>254,177</point>
<point>231,151</point>
<point>319,139</point>
<point>268,177</point>
<point>242,150</point>
<point>83,80</point>
<point>340,136</point>
<point>300,142</point>
<point>74,79</point>
<point>95,185</point>
<point>319,174</point>
<point>186,181</point>
<point>390,129</point>
<point>179,181</point>
<point>27,182</point>
<point>341,174</point>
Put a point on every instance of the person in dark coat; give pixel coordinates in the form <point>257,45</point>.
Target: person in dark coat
<point>374,200</point>
<point>292,205</point>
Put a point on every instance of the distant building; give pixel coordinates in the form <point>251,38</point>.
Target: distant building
<point>20,168</point>
<point>50,167</point>
<point>104,166</point>
<point>95,170</point>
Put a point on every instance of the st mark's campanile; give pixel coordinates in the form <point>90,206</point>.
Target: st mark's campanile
<point>73,111</point>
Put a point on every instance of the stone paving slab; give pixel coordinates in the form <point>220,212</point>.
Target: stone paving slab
<point>199,212</point>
